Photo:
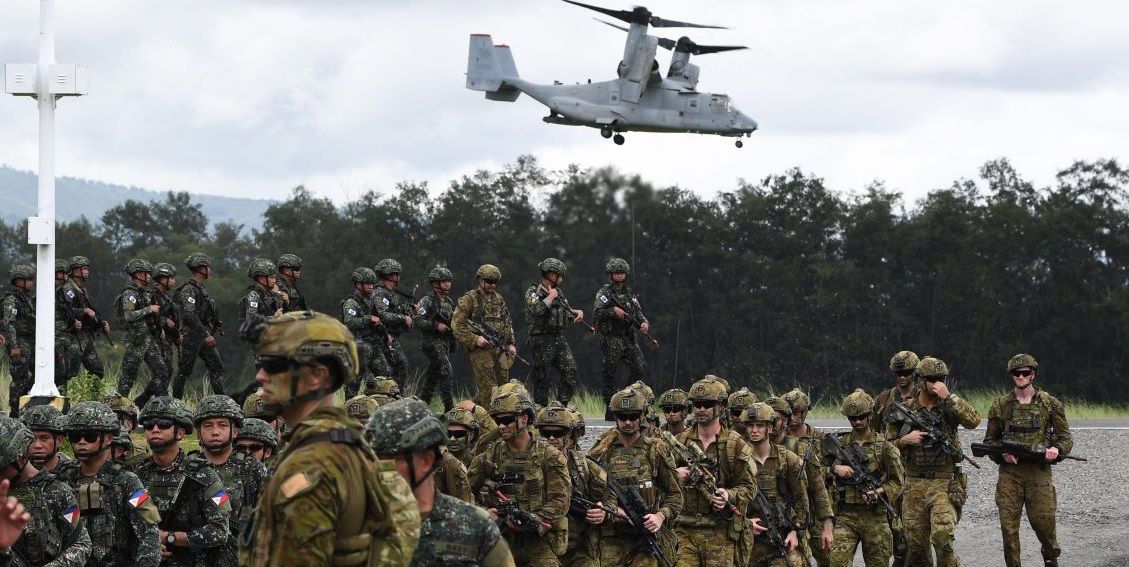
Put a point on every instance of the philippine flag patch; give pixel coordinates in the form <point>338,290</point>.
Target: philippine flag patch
<point>140,497</point>
<point>220,497</point>
<point>71,515</point>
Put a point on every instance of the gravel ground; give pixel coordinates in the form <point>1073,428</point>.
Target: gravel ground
<point>1093,505</point>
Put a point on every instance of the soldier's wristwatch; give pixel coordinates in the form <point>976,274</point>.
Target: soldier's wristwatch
<point>171,538</point>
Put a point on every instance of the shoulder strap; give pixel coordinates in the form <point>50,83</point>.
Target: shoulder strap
<point>341,435</point>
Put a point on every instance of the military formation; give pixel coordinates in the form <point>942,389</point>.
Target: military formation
<point>711,475</point>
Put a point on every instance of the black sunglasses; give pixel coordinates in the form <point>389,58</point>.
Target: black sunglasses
<point>88,436</point>
<point>275,364</point>
<point>705,404</point>
<point>1023,373</point>
<point>736,411</point>
<point>860,417</point>
<point>673,409</point>
<point>160,423</point>
<point>554,433</point>
<point>904,372</point>
<point>934,378</point>
<point>250,447</point>
<point>457,433</point>
<point>491,282</point>
<point>628,416</point>
<point>505,419</point>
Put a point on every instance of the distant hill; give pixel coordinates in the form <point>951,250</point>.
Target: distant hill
<point>77,197</point>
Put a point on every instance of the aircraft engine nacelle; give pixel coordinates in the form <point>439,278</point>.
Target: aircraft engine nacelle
<point>656,76</point>
<point>639,67</point>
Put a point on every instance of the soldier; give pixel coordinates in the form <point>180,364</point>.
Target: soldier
<point>395,310</point>
<point>45,424</point>
<point>861,514</point>
<point>139,316</point>
<point>383,390</point>
<point>739,401</point>
<point>1028,415</point>
<point>780,477</point>
<point>434,322</point>
<point>257,439</point>
<point>57,535</point>
<point>84,322</point>
<point>261,299</point>
<point>311,510</point>
<point>532,475</point>
<point>617,311</point>
<point>561,427</point>
<point>673,404</point>
<point>548,312</point>
<point>127,413</point>
<point>290,268</point>
<point>63,325</point>
<point>902,365</point>
<point>200,323</point>
<point>454,532</point>
<point>359,315</point>
<point>195,507</point>
<point>484,306</point>
<point>168,318</point>
<point>119,514</point>
<point>121,447</point>
<point>642,464</point>
<point>60,272</point>
<point>360,407</point>
<point>934,489</point>
<point>808,441</point>
<point>462,432</point>
<point>17,330</point>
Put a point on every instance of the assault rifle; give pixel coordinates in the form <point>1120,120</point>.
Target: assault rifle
<point>776,525</point>
<point>860,478</point>
<point>523,520</point>
<point>1033,453</point>
<point>493,337</point>
<point>99,323</point>
<point>628,316</point>
<point>935,436</point>
<point>578,505</point>
<point>633,510</point>
<point>700,475</point>
<point>560,300</point>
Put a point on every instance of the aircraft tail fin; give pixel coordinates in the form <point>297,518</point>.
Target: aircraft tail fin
<point>488,68</point>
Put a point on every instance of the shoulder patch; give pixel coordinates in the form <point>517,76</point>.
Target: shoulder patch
<point>70,294</point>
<point>191,299</point>
<point>138,498</point>
<point>72,514</point>
<point>352,311</point>
<point>295,485</point>
<point>385,300</point>
<point>220,497</point>
<point>253,303</point>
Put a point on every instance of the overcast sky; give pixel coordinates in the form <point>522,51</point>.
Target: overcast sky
<point>250,98</point>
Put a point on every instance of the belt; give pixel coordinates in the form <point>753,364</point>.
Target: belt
<point>698,521</point>
<point>931,475</point>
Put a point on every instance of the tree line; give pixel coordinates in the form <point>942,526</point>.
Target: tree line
<point>778,283</point>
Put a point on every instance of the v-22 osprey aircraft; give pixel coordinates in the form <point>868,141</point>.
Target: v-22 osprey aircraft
<point>641,99</point>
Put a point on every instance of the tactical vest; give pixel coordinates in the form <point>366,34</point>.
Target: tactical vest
<point>1027,423</point>
<point>266,302</point>
<point>772,480</point>
<point>236,487</point>
<point>205,306</point>
<point>722,469</point>
<point>609,324</point>
<point>23,320</point>
<point>489,311</point>
<point>433,309</point>
<point>454,534</point>
<point>395,303</point>
<point>552,322</point>
<point>363,309</point>
<point>102,502</point>
<point>872,452</point>
<point>635,466</point>
<point>920,458</point>
<point>42,541</point>
<point>530,492</point>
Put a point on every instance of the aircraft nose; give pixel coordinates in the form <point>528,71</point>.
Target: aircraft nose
<point>747,123</point>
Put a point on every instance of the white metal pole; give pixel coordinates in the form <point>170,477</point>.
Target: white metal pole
<point>45,253</point>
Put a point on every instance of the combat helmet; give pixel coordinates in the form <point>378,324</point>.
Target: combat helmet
<point>387,267</point>
<point>1021,360</point>
<point>514,385</point>
<point>742,399</point>
<point>261,267</point>
<point>516,402</point>
<point>709,388</point>
<point>253,406</point>
<point>723,381</point>
<point>674,397</point>
<point>617,266</point>
<point>21,272</point>
<point>552,265</point>
<point>931,367</point>
<point>363,275</point>
<point>488,272</point>
<point>384,386</point>
<point>60,266</point>
<point>577,421</point>
<point>138,265</point>
<point>170,408</point>
<point>404,426</point>
<point>758,411</point>
<point>778,404</point>
<point>857,403</point>
<point>43,418</point>
<point>461,416</point>
<point>904,360</point>
<point>91,416</point>
<point>360,407</point>
<point>439,274</point>
<point>798,400</point>
<point>197,260</point>
<point>164,270</point>
<point>218,405</point>
<point>628,400</point>
<point>120,404</point>
<point>554,415</point>
<point>123,440</point>
<point>15,438</point>
<point>648,393</point>
<point>77,262</point>
<point>289,261</point>
<point>258,430</point>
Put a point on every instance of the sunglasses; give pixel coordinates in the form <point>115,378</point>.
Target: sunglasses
<point>628,416</point>
<point>250,447</point>
<point>457,433</point>
<point>904,373</point>
<point>160,423</point>
<point>860,417</point>
<point>1023,373</point>
<point>87,436</point>
<point>934,378</point>
<point>554,433</point>
<point>275,364</point>
<point>705,404</point>
<point>505,419</point>
<point>491,282</point>
<point>673,409</point>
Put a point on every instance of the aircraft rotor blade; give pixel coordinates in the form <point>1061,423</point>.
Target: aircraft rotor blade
<point>622,15</point>
<point>618,27</point>
<point>667,44</point>
<point>706,49</point>
<point>664,23</point>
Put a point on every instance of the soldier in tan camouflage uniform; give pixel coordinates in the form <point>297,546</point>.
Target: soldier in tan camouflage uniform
<point>860,514</point>
<point>462,433</point>
<point>486,307</point>
<point>820,512</point>
<point>902,365</point>
<point>935,485</point>
<point>1028,415</point>
<point>674,405</point>
<point>781,479</point>
<point>127,413</point>
<point>330,500</point>
<point>808,437</point>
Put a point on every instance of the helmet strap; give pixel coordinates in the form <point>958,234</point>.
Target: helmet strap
<point>273,410</point>
<point>409,456</point>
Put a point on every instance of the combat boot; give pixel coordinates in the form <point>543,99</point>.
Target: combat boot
<point>1050,562</point>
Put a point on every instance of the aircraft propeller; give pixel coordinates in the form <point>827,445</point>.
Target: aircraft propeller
<point>684,44</point>
<point>641,15</point>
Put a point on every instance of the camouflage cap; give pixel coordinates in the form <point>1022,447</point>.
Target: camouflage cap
<point>363,275</point>
<point>857,403</point>
<point>258,430</point>
<point>641,387</point>
<point>439,274</point>
<point>138,265</point>
<point>1021,360</point>
<point>164,270</point>
<point>628,400</point>
<point>742,399</point>
<point>289,261</point>
<point>554,415</point>
<point>196,260</point>
<point>15,438</point>
<point>674,397</point>
<point>261,267</point>
<point>758,411</point>
<point>122,439</point>
<point>552,265</point>
<point>617,266</point>
<point>21,272</point>
<point>387,267</point>
<point>60,266</point>
<point>308,336</point>
<point>253,406</point>
<point>77,262</point>
<point>461,416</point>
<point>218,405</point>
<point>383,386</point>
<point>121,404</point>
<point>92,416</point>
<point>709,388</point>
<point>930,367</point>
<point>904,360</point>
<point>43,418</point>
<point>360,407</point>
<point>404,426</point>
<point>778,404</point>
<point>170,408</point>
<point>798,400</point>
<point>488,272</point>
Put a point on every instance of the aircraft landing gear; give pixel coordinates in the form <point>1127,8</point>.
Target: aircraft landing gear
<point>606,132</point>
<point>740,143</point>
<point>618,139</point>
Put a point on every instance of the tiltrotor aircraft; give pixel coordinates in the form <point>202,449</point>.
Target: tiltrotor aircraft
<point>641,99</point>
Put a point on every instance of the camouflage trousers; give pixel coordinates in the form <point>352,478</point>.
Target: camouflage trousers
<point>145,349</point>
<point>868,525</point>
<point>398,361</point>
<point>765,555</point>
<point>83,354</point>
<point>62,359</point>
<point>743,551</point>
<point>490,369</point>
<point>625,550</point>
<point>708,546</point>
<point>583,546</point>
<point>1027,485</point>
<point>373,364</point>
<point>191,348</point>
<point>930,521</point>
<point>21,370</point>
<point>551,351</point>
<point>531,550</point>
<point>618,348</point>
<point>438,373</point>
<point>810,546</point>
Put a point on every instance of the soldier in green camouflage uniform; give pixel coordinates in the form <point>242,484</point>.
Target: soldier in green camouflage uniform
<point>63,326</point>
<point>485,306</point>
<point>119,513</point>
<point>1028,415</point>
<point>935,485</point>
<point>262,298</point>
<point>127,413</point>
<point>395,311</point>
<point>329,500</point>
<point>454,532</point>
<point>707,532</point>
<point>359,316</point>
<point>290,268</point>
<point>195,507</point>
<point>529,472</point>
<point>902,365</point>
<point>462,433</point>
<point>138,315</point>
<point>860,515</point>
<point>641,463</point>
<point>805,440</point>
<point>17,327</point>
<point>45,423</point>
<point>436,311</point>
<point>617,336</point>
<point>548,313</point>
<point>674,405</point>
<point>84,322</point>
<point>780,477</point>
<point>218,419</point>
<point>200,323</point>
<point>257,439</point>
<point>168,321</point>
<point>56,534</point>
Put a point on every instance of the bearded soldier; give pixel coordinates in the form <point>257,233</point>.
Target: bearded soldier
<point>139,315</point>
<point>436,310</point>
<point>290,268</point>
<point>395,311</point>
<point>200,325</point>
<point>548,312</point>
<point>618,313</point>
<point>484,307</point>
<point>359,316</point>
<point>17,328</point>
